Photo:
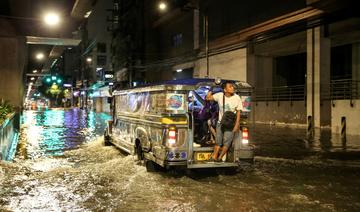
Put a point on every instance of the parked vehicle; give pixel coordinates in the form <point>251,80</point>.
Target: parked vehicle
<point>168,124</point>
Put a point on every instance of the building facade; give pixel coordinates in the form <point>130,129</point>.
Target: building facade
<point>298,56</point>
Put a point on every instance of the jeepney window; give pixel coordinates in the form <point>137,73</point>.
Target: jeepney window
<point>146,102</point>
<point>158,102</point>
<point>134,103</point>
<point>117,104</point>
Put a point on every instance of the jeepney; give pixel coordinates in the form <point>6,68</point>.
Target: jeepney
<point>169,125</point>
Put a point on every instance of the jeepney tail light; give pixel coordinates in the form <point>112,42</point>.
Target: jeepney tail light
<point>172,136</point>
<point>245,136</point>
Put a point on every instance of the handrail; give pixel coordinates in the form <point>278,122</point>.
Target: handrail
<point>337,89</point>
<point>281,93</point>
<point>344,89</point>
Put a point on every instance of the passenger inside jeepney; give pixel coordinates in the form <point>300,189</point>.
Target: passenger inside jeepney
<point>205,116</point>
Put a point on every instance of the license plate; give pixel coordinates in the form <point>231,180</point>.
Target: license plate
<point>203,156</point>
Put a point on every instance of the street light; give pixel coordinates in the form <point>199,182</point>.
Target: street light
<point>88,59</point>
<point>40,56</point>
<point>52,19</point>
<point>162,6</point>
<point>35,71</point>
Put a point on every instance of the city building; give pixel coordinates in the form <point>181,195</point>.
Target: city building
<point>95,66</point>
<point>296,56</point>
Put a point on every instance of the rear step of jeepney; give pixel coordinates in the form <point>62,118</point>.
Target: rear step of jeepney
<point>201,159</point>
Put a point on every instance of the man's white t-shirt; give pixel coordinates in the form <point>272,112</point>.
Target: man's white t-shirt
<point>232,103</point>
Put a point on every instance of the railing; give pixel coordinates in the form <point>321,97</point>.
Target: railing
<point>344,89</point>
<point>283,93</point>
<point>336,90</point>
<point>8,136</point>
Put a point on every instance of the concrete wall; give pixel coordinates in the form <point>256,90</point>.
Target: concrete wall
<point>352,114</point>
<point>8,136</point>
<point>229,65</point>
<point>12,64</point>
<point>282,112</point>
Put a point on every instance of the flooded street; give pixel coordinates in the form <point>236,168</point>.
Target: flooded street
<point>62,165</point>
<point>293,143</point>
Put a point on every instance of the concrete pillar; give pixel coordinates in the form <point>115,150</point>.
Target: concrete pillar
<point>196,29</point>
<point>251,76</point>
<point>264,68</point>
<point>12,64</point>
<point>251,69</point>
<point>259,71</point>
<point>356,61</point>
<point>318,77</point>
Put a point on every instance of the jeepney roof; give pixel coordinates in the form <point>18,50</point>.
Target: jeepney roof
<point>182,84</point>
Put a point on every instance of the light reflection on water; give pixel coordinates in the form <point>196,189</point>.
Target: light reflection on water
<point>51,132</point>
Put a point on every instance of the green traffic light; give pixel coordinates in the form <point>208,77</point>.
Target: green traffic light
<point>53,78</point>
<point>48,79</point>
<point>59,81</point>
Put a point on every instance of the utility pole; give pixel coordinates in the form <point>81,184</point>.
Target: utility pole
<point>207,45</point>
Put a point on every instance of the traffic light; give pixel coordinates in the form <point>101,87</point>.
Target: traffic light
<point>53,80</point>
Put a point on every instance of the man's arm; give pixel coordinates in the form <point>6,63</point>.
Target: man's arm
<point>239,108</point>
<point>237,122</point>
<point>210,96</point>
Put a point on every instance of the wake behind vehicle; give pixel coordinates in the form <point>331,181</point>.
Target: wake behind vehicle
<point>170,125</point>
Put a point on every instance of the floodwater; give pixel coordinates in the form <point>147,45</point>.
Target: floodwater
<point>62,165</point>
<point>294,143</point>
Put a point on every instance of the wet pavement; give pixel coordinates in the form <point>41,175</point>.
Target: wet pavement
<point>62,165</point>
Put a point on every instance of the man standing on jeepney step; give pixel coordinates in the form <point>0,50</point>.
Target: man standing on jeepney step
<point>233,104</point>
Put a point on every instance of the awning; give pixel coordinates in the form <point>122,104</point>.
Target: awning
<point>52,41</point>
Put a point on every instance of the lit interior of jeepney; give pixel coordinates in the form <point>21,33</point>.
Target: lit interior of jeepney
<point>205,115</point>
